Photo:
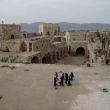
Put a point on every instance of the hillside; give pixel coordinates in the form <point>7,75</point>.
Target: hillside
<point>65,26</point>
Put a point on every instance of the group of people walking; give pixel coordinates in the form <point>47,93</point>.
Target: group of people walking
<point>63,78</point>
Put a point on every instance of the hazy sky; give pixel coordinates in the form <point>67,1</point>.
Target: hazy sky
<point>76,11</point>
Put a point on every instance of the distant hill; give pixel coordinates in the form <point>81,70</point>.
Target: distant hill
<point>65,26</point>
<point>32,27</point>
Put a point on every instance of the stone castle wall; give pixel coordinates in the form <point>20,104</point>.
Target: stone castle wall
<point>10,31</point>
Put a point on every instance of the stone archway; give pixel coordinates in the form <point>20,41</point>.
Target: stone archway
<point>80,51</point>
<point>23,47</point>
<point>35,60</point>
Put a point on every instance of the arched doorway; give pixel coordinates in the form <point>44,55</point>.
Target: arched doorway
<point>23,47</point>
<point>12,36</point>
<point>35,60</point>
<point>80,51</point>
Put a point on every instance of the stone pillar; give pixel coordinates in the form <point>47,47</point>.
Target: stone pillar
<point>27,47</point>
<point>40,58</point>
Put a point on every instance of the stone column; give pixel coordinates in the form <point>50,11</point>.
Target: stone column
<point>27,47</point>
<point>40,58</point>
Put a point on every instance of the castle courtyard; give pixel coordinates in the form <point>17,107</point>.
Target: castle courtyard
<point>54,55</point>
<point>30,87</point>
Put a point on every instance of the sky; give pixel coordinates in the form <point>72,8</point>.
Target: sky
<point>75,11</point>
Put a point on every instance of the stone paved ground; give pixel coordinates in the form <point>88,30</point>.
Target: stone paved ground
<point>30,87</point>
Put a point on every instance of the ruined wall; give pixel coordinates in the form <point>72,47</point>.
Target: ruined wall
<point>41,44</point>
<point>75,40</point>
<point>11,46</point>
<point>27,48</point>
<point>76,36</point>
<point>10,31</point>
<point>99,44</point>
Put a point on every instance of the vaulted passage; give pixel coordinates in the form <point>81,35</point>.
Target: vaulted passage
<point>46,59</point>
<point>35,60</point>
<point>80,51</point>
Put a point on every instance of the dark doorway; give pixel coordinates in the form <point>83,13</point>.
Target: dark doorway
<point>54,57</point>
<point>58,56</point>
<point>48,33</point>
<point>44,60</point>
<point>35,60</point>
<point>24,35</point>
<point>30,47</point>
<point>80,51</point>
<point>7,49</point>
<point>12,36</point>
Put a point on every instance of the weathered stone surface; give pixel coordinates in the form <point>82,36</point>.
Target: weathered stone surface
<point>33,90</point>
